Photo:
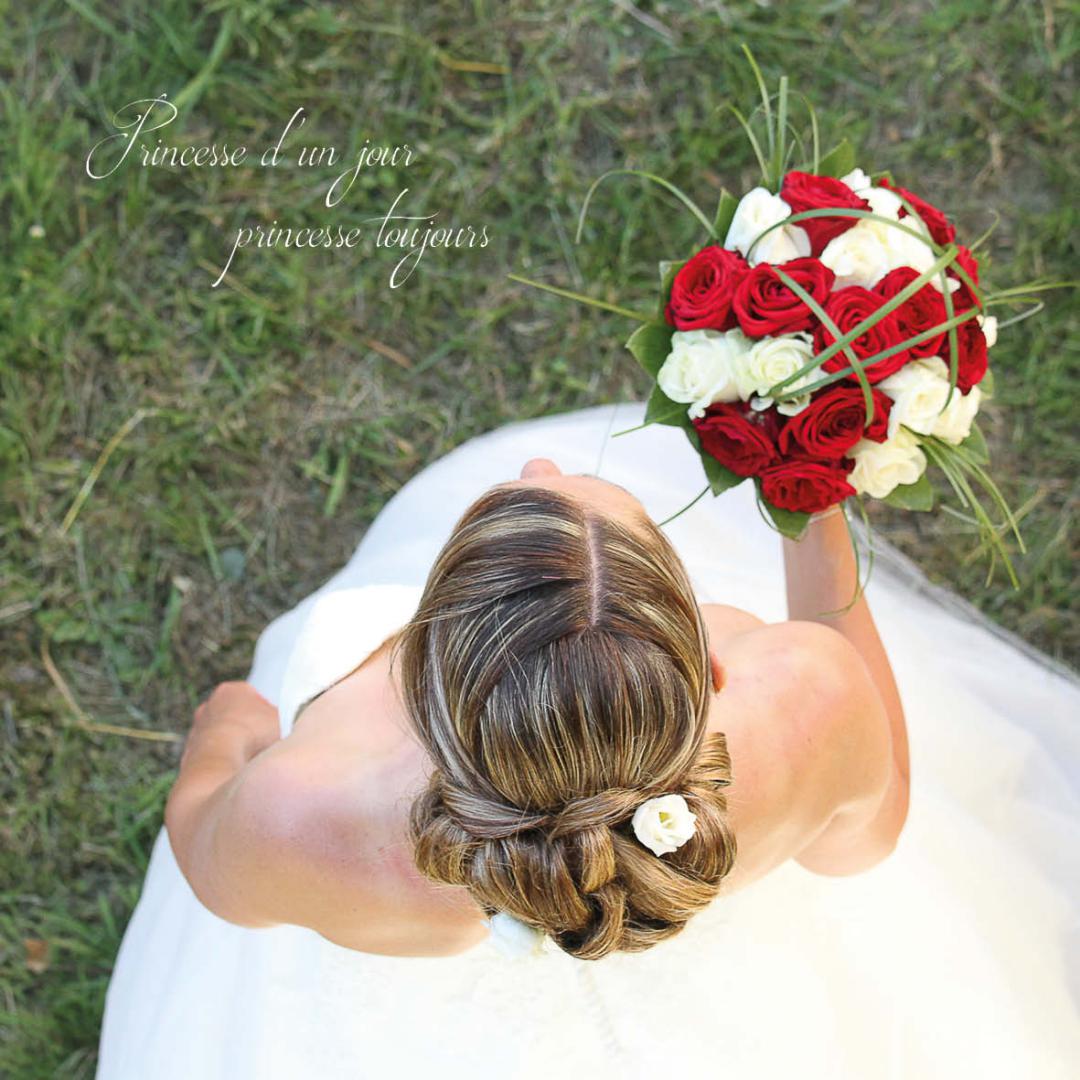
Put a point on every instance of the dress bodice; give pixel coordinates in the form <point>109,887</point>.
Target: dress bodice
<point>342,629</point>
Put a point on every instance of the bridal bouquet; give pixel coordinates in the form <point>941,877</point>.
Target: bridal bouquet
<point>829,341</point>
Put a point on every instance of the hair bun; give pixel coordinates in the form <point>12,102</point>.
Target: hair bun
<point>482,817</point>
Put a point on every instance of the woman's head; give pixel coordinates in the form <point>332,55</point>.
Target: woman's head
<point>558,674</point>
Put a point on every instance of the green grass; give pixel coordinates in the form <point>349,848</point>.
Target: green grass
<point>275,433</point>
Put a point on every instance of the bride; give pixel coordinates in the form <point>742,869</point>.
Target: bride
<point>525,728</point>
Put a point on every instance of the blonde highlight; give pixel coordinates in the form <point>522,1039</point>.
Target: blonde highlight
<point>557,673</point>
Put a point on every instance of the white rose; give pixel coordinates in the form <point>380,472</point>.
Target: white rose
<point>884,202</point>
<point>989,326</point>
<point>857,259</point>
<point>954,424</point>
<point>772,359</point>
<point>703,368</point>
<point>789,406</point>
<point>879,467</point>
<point>936,282</point>
<point>858,256</point>
<point>881,199</point>
<point>907,250</point>
<point>512,937</point>
<point>903,248</point>
<point>870,249</point>
<point>918,391</point>
<point>664,823</point>
<point>857,180</point>
<point>757,210</point>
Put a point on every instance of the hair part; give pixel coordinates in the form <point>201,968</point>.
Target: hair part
<point>557,672</point>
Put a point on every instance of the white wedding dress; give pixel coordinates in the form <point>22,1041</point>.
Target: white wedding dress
<point>957,956</point>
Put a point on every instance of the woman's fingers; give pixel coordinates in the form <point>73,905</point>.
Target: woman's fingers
<point>236,702</point>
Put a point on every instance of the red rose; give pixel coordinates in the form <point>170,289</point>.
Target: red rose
<point>741,438</point>
<point>833,422</point>
<point>919,313</point>
<point>765,306</point>
<point>941,229</point>
<point>809,486</point>
<point>805,191</point>
<point>972,358</point>
<point>963,298</point>
<point>702,291</point>
<point>847,308</point>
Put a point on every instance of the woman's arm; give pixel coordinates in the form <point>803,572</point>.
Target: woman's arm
<point>232,727</point>
<point>821,577</point>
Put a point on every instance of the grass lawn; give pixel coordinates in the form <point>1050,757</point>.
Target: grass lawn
<point>261,425</point>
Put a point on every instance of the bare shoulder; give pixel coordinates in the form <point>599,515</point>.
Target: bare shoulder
<point>725,623</point>
<point>808,740</point>
<point>303,843</point>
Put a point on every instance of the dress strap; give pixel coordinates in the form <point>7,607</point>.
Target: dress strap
<point>343,628</point>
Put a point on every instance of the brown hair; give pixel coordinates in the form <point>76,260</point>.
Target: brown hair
<point>557,673</point>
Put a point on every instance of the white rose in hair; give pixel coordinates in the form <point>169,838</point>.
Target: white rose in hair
<point>954,424</point>
<point>879,467</point>
<point>512,937</point>
<point>772,359</point>
<point>703,368</point>
<point>664,823</point>
<point>757,210</point>
<point>918,391</point>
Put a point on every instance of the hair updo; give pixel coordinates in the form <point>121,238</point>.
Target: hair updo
<point>557,673</point>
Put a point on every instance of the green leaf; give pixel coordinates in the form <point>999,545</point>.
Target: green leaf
<point>668,271</point>
<point>975,444</point>
<point>725,211</point>
<point>876,178</point>
<point>662,410</point>
<point>917,496</point>
<point>650,344</point>
<point>720,477</point>
<point>792,523</point>
<point>839,161</point>
<point>668,268</point>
